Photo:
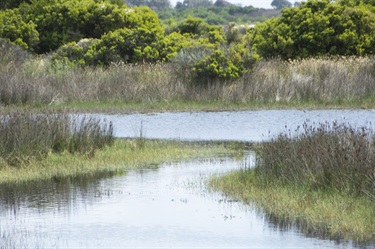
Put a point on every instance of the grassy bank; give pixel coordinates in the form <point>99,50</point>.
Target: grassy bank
<point>311,83</point>
<point>316,213</point>
<point>321,180</point>
<point>123,155</point>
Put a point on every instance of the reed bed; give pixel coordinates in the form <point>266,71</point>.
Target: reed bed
<point>326,79</point>
<point>321,80</point>
<point>319,178</point>
<point>27,136</point>
<point>326,156</point>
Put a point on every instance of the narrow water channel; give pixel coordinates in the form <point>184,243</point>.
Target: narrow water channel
<point>168,207</point>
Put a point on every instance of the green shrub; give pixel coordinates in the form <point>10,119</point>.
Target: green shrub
<point>217,65</point>
<point>16,30</point>
<point>317,28</point>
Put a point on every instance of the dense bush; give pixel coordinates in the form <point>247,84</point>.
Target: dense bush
<point>61,21</point>
<point>15,29</point>
<point>318,28</point>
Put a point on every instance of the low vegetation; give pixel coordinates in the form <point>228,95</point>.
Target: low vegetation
<point>123,155</point>
<point>28,136</point>
<point>325,82</point>
<point>322,180</point>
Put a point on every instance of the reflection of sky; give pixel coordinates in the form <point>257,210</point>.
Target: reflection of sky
<point>255,3</point>
<point>253,126</point>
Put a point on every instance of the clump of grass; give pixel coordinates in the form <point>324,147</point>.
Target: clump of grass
<point>326,79</point>
<point>320,178</point>
<point>327,156</point>
<point>25,136</point>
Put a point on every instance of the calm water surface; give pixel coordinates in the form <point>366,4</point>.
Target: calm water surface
<point>240,126</point>
<point>168,207</point>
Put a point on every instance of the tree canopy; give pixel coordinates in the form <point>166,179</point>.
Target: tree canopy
<point>318,28</point>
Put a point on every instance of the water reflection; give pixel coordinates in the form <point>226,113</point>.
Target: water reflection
<point>57,195</point>
<point>253,126</point>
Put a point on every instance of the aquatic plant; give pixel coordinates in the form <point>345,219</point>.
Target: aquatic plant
<point>26,135</point>
<point>333,156</point>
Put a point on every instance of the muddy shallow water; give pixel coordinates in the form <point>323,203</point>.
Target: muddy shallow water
<point>168,207</point>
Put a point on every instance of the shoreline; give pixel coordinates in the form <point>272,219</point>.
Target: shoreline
<point>318,213</point>
<point>185,106</point>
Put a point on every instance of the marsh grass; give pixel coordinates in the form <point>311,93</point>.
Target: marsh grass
<point>320,177</point>
<point>324,81</point>
<point>323,214</point>
<point>25,136</point>
<point>122,156</point>
<point>326,156</point>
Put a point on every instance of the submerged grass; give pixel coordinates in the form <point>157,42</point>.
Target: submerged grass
<point>123,155</point>
<point>322,180</point>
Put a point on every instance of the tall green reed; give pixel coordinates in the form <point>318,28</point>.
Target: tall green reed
<point>328,156</point>
<point>25,135</point>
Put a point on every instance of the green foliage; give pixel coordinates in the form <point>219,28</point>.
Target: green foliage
<point>96,32</point>
<point>280,4</point>
<point>11,4</point>
<point>14,29</point>
<point>189,4</point>
<point>156,5</point>
<point>210,51</point>
<point>357,2</point>
<point>193,26</point>
<point>217,64</point>
<point>172,45</point>
<point>130,45</point>
<point>62,21</point>
<point>318,28</point>
<point>218,14</point>
<point>74,53</point>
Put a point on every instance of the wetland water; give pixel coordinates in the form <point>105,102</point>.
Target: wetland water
<point>168,207</point>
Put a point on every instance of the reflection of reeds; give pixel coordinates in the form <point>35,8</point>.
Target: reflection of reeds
<point>24,136</point>
<point>328,156</point>
<point>322,80</point>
